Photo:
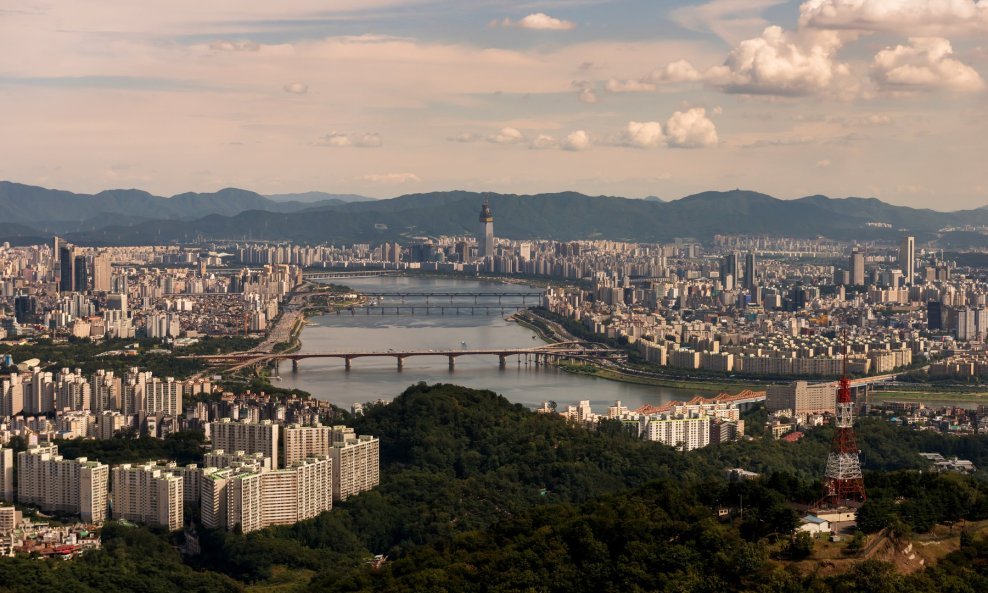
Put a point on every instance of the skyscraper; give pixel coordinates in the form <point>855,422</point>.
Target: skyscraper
<point>102,272</point>
<point>66,267</point>
<point>857,267</point>
<point>730,268</point>
<point>907,259</point>
<point>485,239</point>
<point>749,271</point>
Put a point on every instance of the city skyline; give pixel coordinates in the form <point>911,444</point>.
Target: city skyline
<point>855,97</point>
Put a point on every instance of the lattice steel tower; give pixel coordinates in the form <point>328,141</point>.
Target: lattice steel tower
<point>842,481</point>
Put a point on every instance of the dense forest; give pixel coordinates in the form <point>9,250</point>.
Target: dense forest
<point>478,494</point>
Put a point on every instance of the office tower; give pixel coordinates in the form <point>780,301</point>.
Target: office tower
<point>485,239</point>
<point>147,494</point>
<point>46,480</point>
<point>730,270</point>
<point>102,273</point>
<point>56,244</point>
<point>25,308</point>
<point>81,273</point>
<point>907,259</point>
<point>66,269</point>
<point>6,474</point>
<point>356,466</point>
<point>749,271</point>
<point>934,315</point>
<point>857,266</point>
<point>250,437</point>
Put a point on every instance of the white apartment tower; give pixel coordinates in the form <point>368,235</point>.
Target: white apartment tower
<point>46,480</point>
<point>250,437</point>
<point>356,466</point>
<point>148,494</point>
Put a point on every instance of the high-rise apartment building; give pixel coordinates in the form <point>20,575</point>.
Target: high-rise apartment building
<point>6,474</point>
<point>147,494</point>
<point>680,431</point>
<point>254,498</point>
<point>46,480</point>
<point>485,239</point>
<point>356,466</point>
<point>801,397</point>
<point>907,260</point>
<point>251,437</point>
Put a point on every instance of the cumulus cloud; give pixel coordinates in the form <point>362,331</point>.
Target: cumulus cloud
<point>678,71</point>
<point>539,21</point>
<point>780,63</point>
<point>924,64</point>
<point>578,140</point>
<point>543,141</point>
<point>691,129</point>
<point>732,20</point>
<point>296,88</point>
<point>642,134</point>
<point>344,140</point>
<point>391,178</point>
<point>507,135</point>
<point>897,16</point>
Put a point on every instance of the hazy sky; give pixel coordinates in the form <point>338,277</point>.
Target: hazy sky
<point>883,98</point>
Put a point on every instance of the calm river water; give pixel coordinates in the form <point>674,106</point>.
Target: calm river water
<point>371,379</point>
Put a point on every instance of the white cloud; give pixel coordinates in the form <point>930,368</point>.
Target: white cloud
<point>296,88</point>
<point>731,20</point>
<point>691,129</point>
<point>924,64</point>
<point>539,21</point>
<point>543,141</point>
<point>586,92</point>
<point>465,137</point>
<point>335,139</point>
<point>343,140</point>
<point>507,135</point>
<point>646,134</point>
<point>391,178</point>
<point>222,45</point>
<point>629,86</point>
<point>578,140</point>
<point>909,17</point>
<point>369,140</point>
<point>780,63</point>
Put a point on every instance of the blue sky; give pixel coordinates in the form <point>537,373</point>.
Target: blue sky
<point>882,98</point>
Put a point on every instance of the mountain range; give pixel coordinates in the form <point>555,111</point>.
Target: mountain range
<point>29,214</point>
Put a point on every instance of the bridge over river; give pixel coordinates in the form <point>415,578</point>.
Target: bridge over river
<point>576,351</point>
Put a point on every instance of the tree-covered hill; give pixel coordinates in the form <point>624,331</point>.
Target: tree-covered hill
<point>478,494</point>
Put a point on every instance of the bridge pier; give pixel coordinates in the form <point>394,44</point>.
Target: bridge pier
<point>346,362</point>
<point>401,362</point>
<point>502,360</point>
<point>452,362</point>
<point>294,365</point>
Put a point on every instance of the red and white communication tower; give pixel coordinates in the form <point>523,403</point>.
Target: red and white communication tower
<point>842,480</point>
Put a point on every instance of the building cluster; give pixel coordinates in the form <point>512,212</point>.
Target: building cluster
<point>682,425</point>
<point>26,537</point>
<point>65,290</point>
<point>240,485</point>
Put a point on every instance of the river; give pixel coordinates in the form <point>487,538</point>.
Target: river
<point>371,379</point>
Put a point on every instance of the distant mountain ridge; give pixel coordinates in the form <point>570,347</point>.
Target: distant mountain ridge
<point>137,217</point>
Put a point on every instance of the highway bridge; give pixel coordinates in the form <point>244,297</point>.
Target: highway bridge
<point>430,309</point>
<point>333,275</point>
<point>577,351</point>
